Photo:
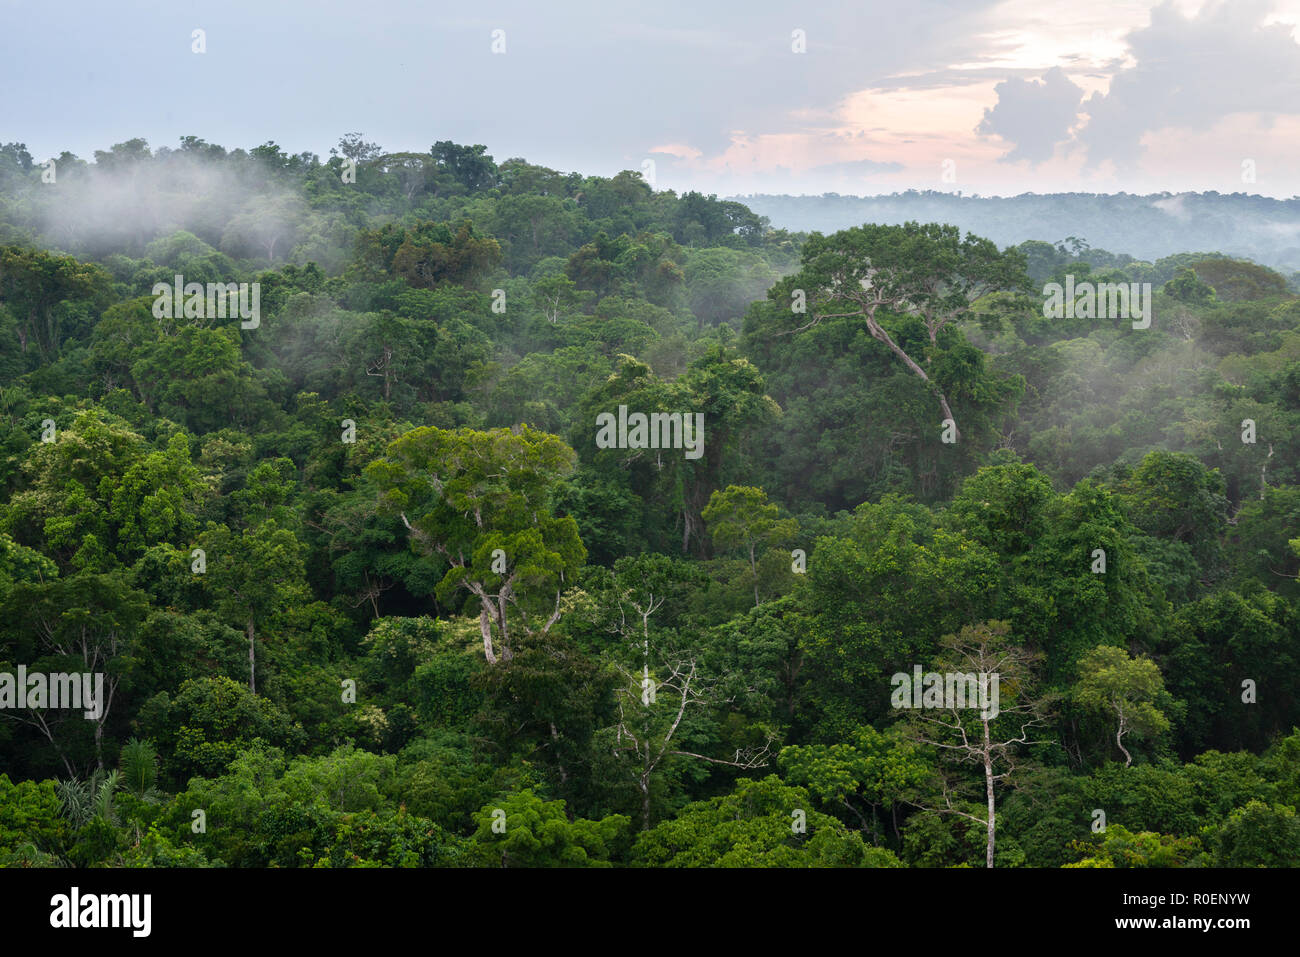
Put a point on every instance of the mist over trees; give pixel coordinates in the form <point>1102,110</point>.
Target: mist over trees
<point>1145,227</point>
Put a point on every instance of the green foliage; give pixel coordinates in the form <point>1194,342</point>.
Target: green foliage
<point>1259,835</point>
<point>1187,287</point>
<point>1119,847</point>
<point>139,767</point>
<point>526,831</point>
<point>209,722</point>
<point>1128,690</point>
<point>32,823</point>
<point>359,576</point>
<point>757,825</point>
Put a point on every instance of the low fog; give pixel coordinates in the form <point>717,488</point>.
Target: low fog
<point>246,205</point>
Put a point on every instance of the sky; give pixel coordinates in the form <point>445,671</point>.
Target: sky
<point>992,97</point>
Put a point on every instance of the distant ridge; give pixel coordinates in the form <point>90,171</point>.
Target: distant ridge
<point>1144,226</point>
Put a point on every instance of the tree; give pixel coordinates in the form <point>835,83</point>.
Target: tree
<point>721,282</point>
<point>741,517</point>
<point>1080,598</point>
<point>352,146</point>
<point>470,165</point>
<point>251,575</point>
<point>1117,846</point>
<point>1126,688</point>
<point>1186,287</point>
<point>427,255</point>
<point>85,623</point>
<point>879,770</point>
<point>1236,280</point>
<point>929,272</point>
<point>534,227</point>
<point>431,256</point>
<point>83,801</point>
<point>209,723</point>
<point>139,767</point>
<point>548,699</point>
<point>156,498</point>
<point>730,393</point>
<point>48,293</point>
<point>263,226</point>
<point>14,159</point>
<point>1173,495</point>
<point>879,594</point>
<point>65,503</point>
<point>553,295</point>
<point>978,736</point>
<point>1213,646</point>
<point>32,827</point>
<point>762,823</point>
<point>1003,507</point>
<point>416,172</point>
<point>1259,835</point>
<point>480,500</point>
<point>662,698</point>
<point>526,831</point>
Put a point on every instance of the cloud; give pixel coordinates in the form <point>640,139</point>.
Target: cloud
<point>1033,115</point>
<point>1191,72</point>
<point>860,167</point>
<point>585,85</point>
<point>599,87</point>
<point>680,150</point>
<point>1175,206</point>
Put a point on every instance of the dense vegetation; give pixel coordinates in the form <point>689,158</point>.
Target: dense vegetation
<point>366,589</point>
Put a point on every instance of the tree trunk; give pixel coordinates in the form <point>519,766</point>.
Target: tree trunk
<point>501,626</point>
<point>555,743</point>
<point>252,659</point>
<point>645,797</point>
<point>988,793</point>
<point>485,626</point>
<point>645,728</point>
<point>947,413</point>
<point>878,332</point>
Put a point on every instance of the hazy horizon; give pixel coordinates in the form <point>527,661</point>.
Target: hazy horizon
<point>995,97</point>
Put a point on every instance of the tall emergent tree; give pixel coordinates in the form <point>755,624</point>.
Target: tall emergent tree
<point>668,689</point>
<point>987,737</point>
<point>925,271</point>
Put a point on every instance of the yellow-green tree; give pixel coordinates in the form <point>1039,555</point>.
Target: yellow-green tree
<point>481,500</point>
<point>1127,689</point>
